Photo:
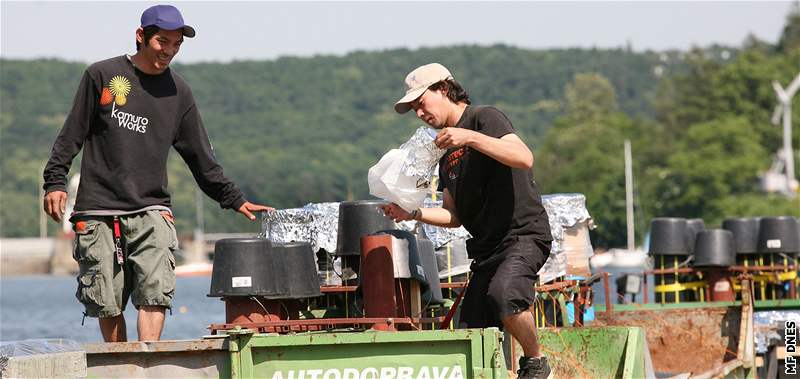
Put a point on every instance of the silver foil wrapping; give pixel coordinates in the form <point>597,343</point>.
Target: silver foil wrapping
<point>423,155</point>
<point>325,224</point>
<point>287,225</point>
<point>318,223</point>
<point>564,211</point>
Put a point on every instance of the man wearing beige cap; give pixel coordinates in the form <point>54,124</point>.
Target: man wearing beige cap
<point>488,188</point>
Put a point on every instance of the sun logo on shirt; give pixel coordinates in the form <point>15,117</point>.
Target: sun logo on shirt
<point>120,87</point>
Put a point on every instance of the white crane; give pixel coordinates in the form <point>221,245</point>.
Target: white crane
<point>786,155</point>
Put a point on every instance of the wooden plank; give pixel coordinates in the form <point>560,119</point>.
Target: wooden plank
<point>416,299</point>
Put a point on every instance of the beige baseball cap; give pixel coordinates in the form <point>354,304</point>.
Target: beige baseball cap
<point>418,81</point>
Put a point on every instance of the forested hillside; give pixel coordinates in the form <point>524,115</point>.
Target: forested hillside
<point>297,130</point>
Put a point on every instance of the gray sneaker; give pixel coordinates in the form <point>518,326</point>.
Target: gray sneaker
<point>533,368</point>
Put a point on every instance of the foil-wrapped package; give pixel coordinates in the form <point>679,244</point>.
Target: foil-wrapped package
<point>287,225</point>
<point>325,224</point>
<point>423,155</point>
<point>403,175</point>
<point>314,223</point>
<point>318,224</point>
<point>563,211</point>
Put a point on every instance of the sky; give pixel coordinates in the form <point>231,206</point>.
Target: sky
<point>91,31</point>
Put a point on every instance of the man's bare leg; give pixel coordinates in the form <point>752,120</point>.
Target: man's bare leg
<point>523,327</point>
<point>113,328</point>
<point>150,322</point>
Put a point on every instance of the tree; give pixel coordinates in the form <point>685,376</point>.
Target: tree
<point>717,159</point>
<point>296,130</point>
<point>590,97</point>
<point>790,37</point>
<point>583,153</point>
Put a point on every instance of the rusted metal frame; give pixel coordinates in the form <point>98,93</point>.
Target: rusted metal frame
<point>762,268</point>
<point>580,303</point>
<point>328,321</point>
<point>453,285</point>
<point>323,324</point>
<point>583,299</point>
<point>577,310</point>
<point>682,270</point>
<point>736,268</point>
<point>545,287</point>
<point>557,286</point>
<point>337,289</point>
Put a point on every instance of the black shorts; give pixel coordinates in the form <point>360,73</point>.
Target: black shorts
<point>505,287</point>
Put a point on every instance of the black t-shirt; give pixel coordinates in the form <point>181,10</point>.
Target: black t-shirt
<point>126,121</point>
<point>494,202</point>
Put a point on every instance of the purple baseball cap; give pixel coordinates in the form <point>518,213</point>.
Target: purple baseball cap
<point>166,17</point>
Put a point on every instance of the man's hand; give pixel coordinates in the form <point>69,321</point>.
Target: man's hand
<point>247,208</point>
<point>55,204</point>
<point>454,137</point>
<point>394,212</point>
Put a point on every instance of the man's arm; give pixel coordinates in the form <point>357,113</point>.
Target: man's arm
<point>193,145</point>
<point>445,216</point>
<point>494,137</point>
<point>67,145</point>
<point>508,149</point>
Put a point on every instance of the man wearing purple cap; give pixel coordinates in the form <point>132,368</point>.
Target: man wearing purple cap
<point>127,114</point>
<point>488,188</point>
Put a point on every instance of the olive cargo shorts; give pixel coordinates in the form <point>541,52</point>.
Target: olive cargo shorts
<point>148,272</point>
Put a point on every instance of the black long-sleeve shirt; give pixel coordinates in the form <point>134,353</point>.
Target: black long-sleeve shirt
<point>126,121</point>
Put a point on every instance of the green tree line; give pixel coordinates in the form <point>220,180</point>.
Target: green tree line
<point>700,156</point>
<point>295,130</point>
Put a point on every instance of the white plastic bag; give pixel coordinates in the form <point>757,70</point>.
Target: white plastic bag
<point>403,175</point>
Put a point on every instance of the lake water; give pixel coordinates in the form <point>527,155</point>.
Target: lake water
<point>46,307</point>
